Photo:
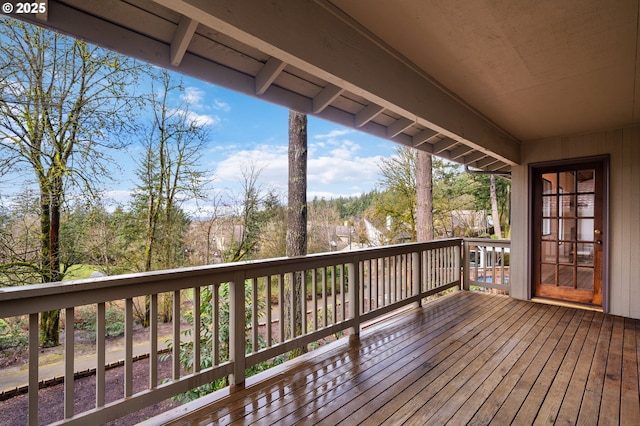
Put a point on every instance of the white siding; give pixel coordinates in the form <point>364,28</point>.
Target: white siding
<point>623,146</point>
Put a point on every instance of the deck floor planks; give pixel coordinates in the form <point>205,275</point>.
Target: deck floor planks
<point>532,403</point>
<point>560,379</point>
<point>610,403</point>
<point>362,382</point>
<point>590,407</point>
<point>327,371</point>
<point>520,391</point>
<point>466,359</point>
<point>503,382</point>
<point>395,345</point>
<point>469,399</point>
<point>395,384</point>
<point>426,384</point>
<point>463,385</point>
<point>572,400</point>
<point>630,394</point>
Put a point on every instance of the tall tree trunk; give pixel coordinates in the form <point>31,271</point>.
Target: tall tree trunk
<point>424,199</point>
<point>49,320</point>
<point>495,214</point>
<point>297,216</point>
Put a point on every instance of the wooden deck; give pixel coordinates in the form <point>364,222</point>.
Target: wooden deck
<point>467,358</point>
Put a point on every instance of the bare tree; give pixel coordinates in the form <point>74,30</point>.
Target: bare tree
<point>169,175</point>
<point>61,103</point>
<point>168,171</point>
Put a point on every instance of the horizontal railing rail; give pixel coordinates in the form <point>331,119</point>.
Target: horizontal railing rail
<point>255,310</point>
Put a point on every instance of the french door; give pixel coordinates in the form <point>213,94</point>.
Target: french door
<point>569,231</point>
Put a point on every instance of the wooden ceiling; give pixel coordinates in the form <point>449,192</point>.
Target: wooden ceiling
<point>466,81</point>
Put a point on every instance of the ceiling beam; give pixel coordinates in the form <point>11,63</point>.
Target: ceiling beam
<point>486,162</point>
<point>325,97</point>
<point>443,145</point>
<point>181,39</point>
<point>367,114</point>
<point>399,126</point>
<point>473,157</point>
<point>460,151</point>
<point>423,137</point>
<point>267,74</point>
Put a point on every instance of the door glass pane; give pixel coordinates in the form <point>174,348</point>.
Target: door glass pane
<point>585,278</point>
<point>565,276</point>
<point>585,253</point>
<point>565,252</point>
<point>586,180</point>
<point>585,229</point>
<point>549,250</point>
<point>567,182</point>
<point>549,206</point>
<point>567,206</point>
<point>549,183</point>
<point>567,230</point>
<point>550,229</point>
<point>585,205</point>
<point>548,274</point>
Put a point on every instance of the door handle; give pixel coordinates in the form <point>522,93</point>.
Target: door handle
<point>599,242</point>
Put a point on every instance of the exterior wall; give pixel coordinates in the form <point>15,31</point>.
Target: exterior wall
<point>623,146</point>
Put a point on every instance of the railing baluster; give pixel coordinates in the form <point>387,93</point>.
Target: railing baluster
<point>34,350</point>
<point>100,353</point>
<point>503,258</point>
<point>175,353</point>
<point>215,326</point>
<point>354,295</point>
<point>292,303</point>
<point>196,329</point>
<point>153,340</point>
<point>128,347</point>
<point>69,357</point>
<point>363,297</point>
<point>254,315</point>
<point>314,298</point>
<point>343,289</point>
<point>237,336</point>
<point>281,307</point>
<point>268,311</point>
<point>324,297</point>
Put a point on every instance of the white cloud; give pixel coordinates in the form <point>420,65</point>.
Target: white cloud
<point>221,105</point>
<point>203,119</point>
<point>193,96</point>
<point>333,134</point>
<point>333,173</point>
<point>198,119</point>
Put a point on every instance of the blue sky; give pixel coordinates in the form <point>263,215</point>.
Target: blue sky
<point>246,131</point>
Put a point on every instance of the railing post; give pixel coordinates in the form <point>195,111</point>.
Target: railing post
<point>466,267</point>
<point>416,269</point>
<point>237,343</point>
<point>354,296</point>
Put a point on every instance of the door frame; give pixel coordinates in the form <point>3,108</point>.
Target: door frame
<point>605,160</point>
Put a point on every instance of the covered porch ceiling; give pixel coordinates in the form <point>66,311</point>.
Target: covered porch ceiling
<point>464,80</point>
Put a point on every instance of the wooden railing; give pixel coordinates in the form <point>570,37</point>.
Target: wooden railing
<point>260,300</point>
<point>487,264</point>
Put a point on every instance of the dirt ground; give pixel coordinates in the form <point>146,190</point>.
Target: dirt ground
<point>14,410</point>
<point>50,405</point>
